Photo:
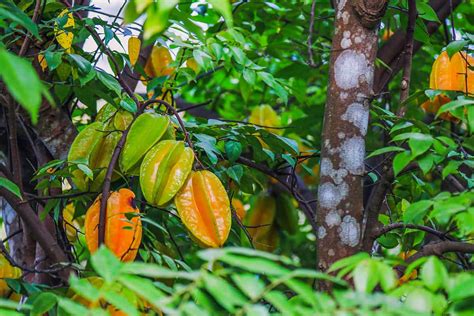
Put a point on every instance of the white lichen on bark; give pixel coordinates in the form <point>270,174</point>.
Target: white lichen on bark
<point>349,231</point>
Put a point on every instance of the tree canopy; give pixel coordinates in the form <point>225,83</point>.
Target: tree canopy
<point>246,157</point>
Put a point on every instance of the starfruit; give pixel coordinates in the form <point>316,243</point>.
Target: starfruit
<point>7,271</point>
<point>146,131</point>
<point>286,214</point>
<point>118,119</point>
<point>123,228</point>
<point>93,147</point>
<point>72,226</point>
<point>81,152</point>
<point>264,115</point>
<point>204,208</point>
<point>134,44</point>
<point>260,222</point>
<point>239,208</point>
<point>164,171</point>
<point>191,63</point>
<point>157,64</point>
<point>42,61</point>
<point>63,37</point>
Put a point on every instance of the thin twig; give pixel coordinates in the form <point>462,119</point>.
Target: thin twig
<point>310,36</point>
<point>408,56</point>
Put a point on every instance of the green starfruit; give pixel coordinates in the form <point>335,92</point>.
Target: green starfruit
<point>286,214</point>
<point>145,132</point>
<point>164,171</point>
<point>82,150</point>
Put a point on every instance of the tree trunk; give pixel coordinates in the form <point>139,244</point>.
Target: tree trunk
<point>351,73</point>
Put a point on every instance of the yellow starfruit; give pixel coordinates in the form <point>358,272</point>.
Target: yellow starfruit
<point>264,115</point>
<point>7,271</point>
<point>134,44</point>
<point>164,171</point>
<point>204,208</point>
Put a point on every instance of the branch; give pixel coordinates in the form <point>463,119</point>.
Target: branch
<point>39,232</point>
<point>390,52</point>
<point>440,248</point>
<point>408,56</point>
<point>310,36</point>
<point>383,230</point>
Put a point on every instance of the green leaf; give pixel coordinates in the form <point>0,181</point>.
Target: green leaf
<point>249,76</point>
<point>84,288</point>
<point>83,64</point>
<point>43,303</point>
<point>463,289</point>
<point>72,308</point>
<point>434,274</point>
<point>233,150</point>
<point>22,81</point>
<point>250,284</point>
<point>417,211</point>
<point>12,12</point>
<point>157,17</point>
<point>144,288</point>
<point>110,82</point>
<point>348,261</point>
<point>455,46</point>
<point>224,8</point>
<point>106,264</point>
<point>419,145</point>
<point>255,265</point>
<point>400,161</point>
<point>280,301</point>
<point>385,150</point>
<point>216,286</point>
<point>10,186</point>
<point>426,12</point>
<point>365,276</point>
<point>128,104</point>
<point>53,59</point>
<point>450,106</point>
<point>235,172</point>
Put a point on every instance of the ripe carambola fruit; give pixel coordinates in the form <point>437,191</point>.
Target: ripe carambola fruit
<point>157,64</point>
<point>7,271</point>
<point>265,115</point>
<point>450,74</point>
<point>123,228</point>
<point>286,214</point>
<point>239,208</point>
<point>164,171</point>
<point>72,226</point>
<point>134,44</point>
<point>204,208</point>
<point>260,221</point>
<point>145,132</point>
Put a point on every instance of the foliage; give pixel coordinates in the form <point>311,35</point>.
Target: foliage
<point>252,110</point>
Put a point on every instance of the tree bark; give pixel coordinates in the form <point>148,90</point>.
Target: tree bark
<point>340,198</point>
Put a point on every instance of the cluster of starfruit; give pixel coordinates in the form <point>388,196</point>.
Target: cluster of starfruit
<point>94,145</point>
<point>268,216</point>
